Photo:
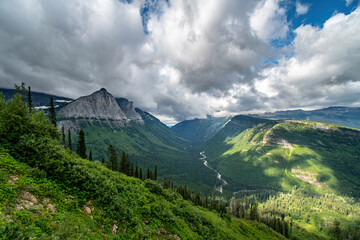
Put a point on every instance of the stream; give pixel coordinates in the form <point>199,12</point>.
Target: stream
<point>218,175</point>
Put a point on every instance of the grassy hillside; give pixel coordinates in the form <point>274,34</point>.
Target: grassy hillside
<point>320,157</point>
<point>47,192</point>
<point>301,171</point>
<point>199,130</point>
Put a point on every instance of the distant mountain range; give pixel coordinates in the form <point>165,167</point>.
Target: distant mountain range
<point>39,100</point>
<point>346,116</point>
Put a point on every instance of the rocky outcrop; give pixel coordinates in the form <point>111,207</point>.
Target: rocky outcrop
<point>128,108</point>
<point>99,105</point>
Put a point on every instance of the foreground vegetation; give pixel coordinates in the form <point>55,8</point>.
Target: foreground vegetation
<point>48,192</point>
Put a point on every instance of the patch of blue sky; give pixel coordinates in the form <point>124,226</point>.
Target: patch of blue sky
<point>267,61</point>
<point>319,11</point>
<point>151,8</point>
<point>126,1</point>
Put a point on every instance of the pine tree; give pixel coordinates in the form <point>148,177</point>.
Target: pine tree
<point>52,114</point>
<point>30,106</point>
<point>81,147</point>
<point>136,170</point>
<point>336,230</point>
<point>213,203</point>
<point>254,211</point>
<point>149,174</point>
<point>165,183</point>
<point>141,175</point>
<point>69,139</point>
<point>102,160</point>
<point>21,90</point>
<point>155,173</point>
<point>63,135</point>
<point>113,159</point>
<point>90,156</point>
<point>124,163</point>
<point>132,170</point>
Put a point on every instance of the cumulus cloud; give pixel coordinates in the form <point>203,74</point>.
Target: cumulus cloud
<point>349,2</point>
<point>179,59</point>
<point>269,20</point>
<point>324,69</point>
<point>301,9</point>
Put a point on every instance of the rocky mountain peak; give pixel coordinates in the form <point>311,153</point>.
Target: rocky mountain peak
<point>99,105</point>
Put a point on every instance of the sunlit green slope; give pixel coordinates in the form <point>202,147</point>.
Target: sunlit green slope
<point>281,154</point>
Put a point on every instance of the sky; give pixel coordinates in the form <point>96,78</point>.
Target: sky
<point>181,59</point>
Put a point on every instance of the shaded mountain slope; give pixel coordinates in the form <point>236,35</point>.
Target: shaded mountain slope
<point>199,130</point>
<point>146,139</point>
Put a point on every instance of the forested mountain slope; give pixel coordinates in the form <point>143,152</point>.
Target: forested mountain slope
<point>47,191</point>
<point>200,130</point>
<point>320,157</point>
<point>106,120</point>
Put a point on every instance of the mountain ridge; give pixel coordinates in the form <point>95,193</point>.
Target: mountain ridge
<point>346,116</point>
<point>98,105</point>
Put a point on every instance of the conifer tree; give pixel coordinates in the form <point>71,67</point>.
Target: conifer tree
<point>336,230</point>
<point>69,139</point>
<point>141,175</point>
<point>30,106</point>
<point>63,135</point>
<point>165,183</point>
<point>81,147</point>
<point>128,164</point>
<point>136,170</point>
<point>155,173</point>
<point>124,163</point>
<point>52,114</point>
<point>90,156</point>
<point>132,170</point>
<point>102,160</point>
<point>113,159</point>
<point>21,90</point>
<point>149,173</point>
<point>213,203</point>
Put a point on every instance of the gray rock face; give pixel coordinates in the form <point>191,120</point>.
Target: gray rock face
<point>99,105</point>
<point>128,108</point>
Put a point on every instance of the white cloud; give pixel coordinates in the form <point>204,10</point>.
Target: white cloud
<point>324,69</point>
<point>269,20</point>
<point>348,2</point>
<point>301,9</point>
